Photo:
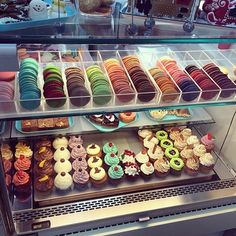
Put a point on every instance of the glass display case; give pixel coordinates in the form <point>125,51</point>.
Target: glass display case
<point>106,132</point>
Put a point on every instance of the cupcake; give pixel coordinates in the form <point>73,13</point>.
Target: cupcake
<point>186,133</point>
<point>171,152</point>
<point>7,165</point>
<point>146,170</point>
<point>127,157</point>
<point>22,149</point>
<point>186,154</point>
<point>79,163</point>
<point>150,141</point>
<point>143,133</point>
<point>44,183</point>
<point>192,166</point>
<point>78,151</point>
<point>22,163</point>
<point>207,163</point>
<point>60,142</point>
<point>22,184</point>
<point>81,178</point>
<point>43,168</point>
<point>176,166</point>
<point>161,134</point>
<point>6,152</point>
<point>111,159</point>
<point>155,153</point>
<point>142,157</point>
<point>166,143</point>
<point>192,141</point>
<point>93,150</point>
<point>62,165</point>
<point>110,148</point>
<point>208,141</point>
<point>115,174</point>
<point>131,171</point>
<point>199,150</point>
<point>43,143</point>
<point>161,167</point>
<point>174,134</point>
<point>63,181</point>
<point>44,153</point>
<point>94,162</point>
<point>74,141</point>
<point>61,152</point>
<point>8,180</point>
<point>98,177</point>
<point>180,143</point>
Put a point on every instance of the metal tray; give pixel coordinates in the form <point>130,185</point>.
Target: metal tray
<point>123,140</point>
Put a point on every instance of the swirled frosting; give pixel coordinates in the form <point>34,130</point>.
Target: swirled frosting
<point>186,133</point>
<point>155,153</point>
<point>110,148</point>
<point>150,141</point>
<point>23,150</point>
<point>174,135</point>
<point>132,170</point>
<point>193,163</point>
<point>22,163</point>
<point>115,172</point>
<point>79,163</point>
<point>20,178</point>
<point>186,153</point>
<point>61,152</point>
<point>63,181</point>
<point>208,142</point>
<point>143,133</point>
<point>62,165</point>
<point>180,144</point>
<point>192,140</point>
<point>127,157</point>
<point>111,159</point>
<point>207,159</point>
<point>162,165</point>
<point>78,151</point>
<point>97,173</point>
<point>74,141</point>
<point>147,168</point>
<point>142,157</point>
<point>199,150</point>
<point>81,176</point>
<point>60,142</point>
<point>94,162</point>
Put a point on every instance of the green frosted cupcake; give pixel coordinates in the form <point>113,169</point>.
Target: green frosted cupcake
<point>115,174</point>
<point>176,166</point>
<point>111,159</point>
<point>110,148</point>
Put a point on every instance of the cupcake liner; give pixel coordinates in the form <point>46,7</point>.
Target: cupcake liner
<point>161,175</point>
<point>205,169</point>
<point>190,172</point>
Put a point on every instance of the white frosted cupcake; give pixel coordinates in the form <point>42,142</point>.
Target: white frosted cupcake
<point>60,142</point>
<point>199,150</point>
<point>142,157</point>
<point>192,141</point>
<point>150,141</point>
<point>143,133</point>
<point>62,165</point>
<point>207,163</point>
<point>61,152</point>
<point>63,181</point>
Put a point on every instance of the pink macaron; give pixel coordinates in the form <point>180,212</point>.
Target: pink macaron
<point>7,76</point>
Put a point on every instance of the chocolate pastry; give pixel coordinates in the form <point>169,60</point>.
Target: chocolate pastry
<point>98,119</point>
<point>61,122</point>
<point>29,125</point>
<point>110,120</point>
<point>43,143</point>
<point>43,168</point>
<point>46,123</point>
<point>44,183</point>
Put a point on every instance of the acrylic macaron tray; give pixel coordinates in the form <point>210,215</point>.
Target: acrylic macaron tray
<point>97,80</point>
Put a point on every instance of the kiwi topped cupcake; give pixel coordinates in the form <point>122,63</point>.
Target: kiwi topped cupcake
<point>161,134</point>
<point>176,166</point>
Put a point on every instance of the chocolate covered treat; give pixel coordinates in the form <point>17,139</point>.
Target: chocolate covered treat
<point>44,183</point>
<point>44,153</point>
<point>29,125</point>
<point>47,123</point>
<point>61,122</point>
<point>43,167</point>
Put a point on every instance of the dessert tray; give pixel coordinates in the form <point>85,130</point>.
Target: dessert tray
<point>53,17</point>
<point>123,140</point>
<point>18,127</point>
<point>110,129</point>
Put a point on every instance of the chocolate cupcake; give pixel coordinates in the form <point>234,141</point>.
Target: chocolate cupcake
<point>43,143</point>
<point>43,168</point>
<point>44,153</point>
<point>146,170</point>
<point>44,183</point>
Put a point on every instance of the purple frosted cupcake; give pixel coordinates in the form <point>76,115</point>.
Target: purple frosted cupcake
<point>81,178</point>
<point>79,163</point>
<point>78,151</point>
<point>74,141</point>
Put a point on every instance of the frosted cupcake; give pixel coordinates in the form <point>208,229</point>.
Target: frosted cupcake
<point>180,143</point>
<point>63,181</point>
<point>59,142</point>
<point>199,150</point>
<point>116,174</point>
<point>74,141</point>
<point>62,165</point>
<point>155,153</point>
<point>162,167</point>
<point>146,170</point>
<point>78,151</point>
<point>98,177</point>
<point>110,148</point>
<point>208,141</point>
<point>192,166</point>
<point>142,157</point>
<point>150,141</point>
<point>79,163</point>
<point>61,152</point>
<point>192,141</point>
<point>127,157</point>
<point>81,178</point>
<point>207,163</point>
<point>186,133</point>
<point>186,154</point>
<point>111,159</point>
<point>143,133</point>
<point>94,162</point>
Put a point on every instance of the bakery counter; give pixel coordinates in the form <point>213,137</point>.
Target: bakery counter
<point>82,125</point>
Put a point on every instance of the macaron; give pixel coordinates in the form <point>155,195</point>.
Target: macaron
<point>78,93</point>
<point>7,76</point>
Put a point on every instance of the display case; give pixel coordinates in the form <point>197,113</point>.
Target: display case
<point>83,98</point>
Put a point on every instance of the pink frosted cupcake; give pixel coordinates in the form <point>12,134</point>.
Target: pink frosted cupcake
<point>78,151</point>
<point>74,141</point>
<point>79,163</point>
<point>209,142</point>
<point>81,178</point>
<point>207,163</point>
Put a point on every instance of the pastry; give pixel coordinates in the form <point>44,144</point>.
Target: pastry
<point>150,141</point>
<point>161,167</point>
<point>176,166</point>
<point>43,167</point>
<point>199,150</point>
<point>44,183</point>
<point>174,134</point>
<point>6,154</point>
<point>155,153</point>
<point>186,133</point>
<point>192,166</point>
<point>161,134</point>
<point>94,161</point>
<point>79,163</point>
<point>93,150</point>
<point>22,184</point>
<point>142,157</point>
<point>38,10</point>
<point>61,152</point>
<point>44,153</point>
<point>110,120</point>
<point>171,153</point>
<point>110,148</point>
<point>22,149</point>
<point>98,176</point>
<point>61,122</point>
<point>29,125</point>
<point>158,114</point>
<point>46,124</point>
<point>127,117</point>
<point>146,170</point>
<point>43,143</point>
<point>143,133</point>
<point>80,178</point>
<point>111,159</point>
<point>180,143</point>
<point>78,151</point>
<point>186,154</point>
<point>132,171</point>
<point>74,141</point>
<point>166,143</point>
<point>115,174</point>
<point>127,157</point>
<point>60,142</point>
<point>207,163</point>
<point>7,165</point>
<point>97,118</point>
<point>22,163</point>
<point>192,141</point>
<point>63,181</point>
<point>208,141</point>
<point>62,165</point>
